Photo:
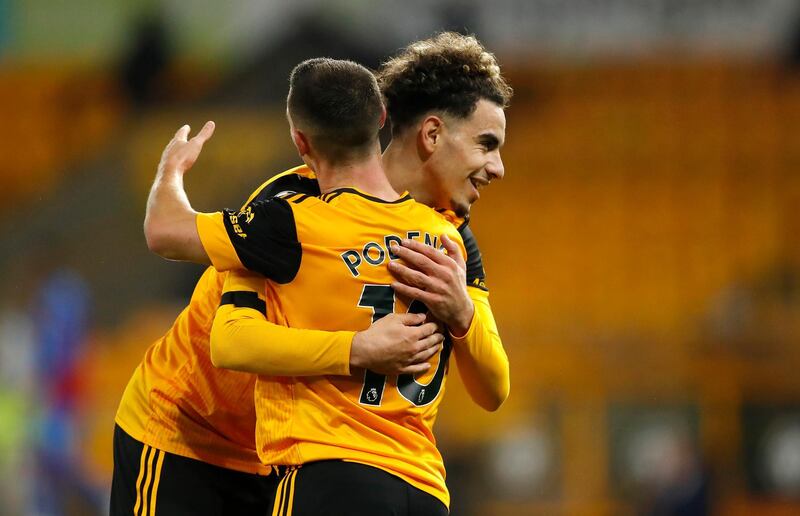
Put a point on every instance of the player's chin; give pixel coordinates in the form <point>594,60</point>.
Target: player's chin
<point>461,207</point>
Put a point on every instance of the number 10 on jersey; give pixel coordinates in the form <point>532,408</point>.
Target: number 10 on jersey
<point>381,300</point>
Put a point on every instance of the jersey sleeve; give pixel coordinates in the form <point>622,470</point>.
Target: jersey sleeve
<point>482,361</point>
<point>218,231</point>
<point>243,339</point>
<point>476,276</point>
<point>214,238</point>
<point>261,238</point>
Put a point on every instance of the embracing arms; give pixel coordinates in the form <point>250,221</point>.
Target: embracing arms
<point>396,344</point>
<point>242,339</point>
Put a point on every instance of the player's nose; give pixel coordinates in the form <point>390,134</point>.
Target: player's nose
<point>495,168</point>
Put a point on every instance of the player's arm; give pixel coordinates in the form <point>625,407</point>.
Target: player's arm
<point>482,361</point>
<point>244,340</point>
<point>174,230</point>
<point>454,292</point>
<point>241,337</point>
<point>169,222</point>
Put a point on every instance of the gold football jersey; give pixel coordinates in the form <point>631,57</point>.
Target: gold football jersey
<point>325,258</point>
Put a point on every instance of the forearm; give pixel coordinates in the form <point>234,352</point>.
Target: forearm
<point>169,223</point>
<point>462,322</point>
<point>482,361</point>
<point>243,340</point>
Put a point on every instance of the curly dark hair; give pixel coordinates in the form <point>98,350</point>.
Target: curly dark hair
<point>449,72</point>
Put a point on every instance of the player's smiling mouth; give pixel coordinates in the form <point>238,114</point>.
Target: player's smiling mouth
<point>478,183</point>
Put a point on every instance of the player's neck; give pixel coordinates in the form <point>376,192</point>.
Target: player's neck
<point>366,175</point>
<point>404,169</point>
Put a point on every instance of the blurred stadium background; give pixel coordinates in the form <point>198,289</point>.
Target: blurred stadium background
<point>643,252</point>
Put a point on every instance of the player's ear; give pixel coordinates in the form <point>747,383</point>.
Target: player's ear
<point>382,121</point>
<point>430,132</point>
<point>301,142</point>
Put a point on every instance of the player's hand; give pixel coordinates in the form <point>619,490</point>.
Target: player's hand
<point>439,280</point>
<point>397,344</point>
<point>181,153</point>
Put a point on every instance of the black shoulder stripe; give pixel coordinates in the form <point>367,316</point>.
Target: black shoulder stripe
<point>300,198</point>
<point>476,276</point>
<point>244,299</point>
<point>405,198</point>
<point>333,196</point>
<point>265,238</point>
<point>290,182</point>
<point>291,197</point>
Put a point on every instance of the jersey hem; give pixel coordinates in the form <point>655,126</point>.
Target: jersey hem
<point>240,466</point>
<point>332,452</point>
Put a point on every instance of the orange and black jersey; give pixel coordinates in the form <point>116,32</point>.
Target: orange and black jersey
<point>271,246</point>
<point>326,257</point>
<point>233,241</point>
<point>251,236</point>
<point>178,402</point>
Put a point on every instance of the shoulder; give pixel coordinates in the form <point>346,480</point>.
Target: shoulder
<point>476,275</point>
<point>295,180</point>
<point>301,205</point>
<point>447,220</point>
<point>462,225</point>
<point>305,213</point>
<point>469,237</point>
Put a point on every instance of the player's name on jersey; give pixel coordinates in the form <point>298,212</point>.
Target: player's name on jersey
<point>376,253</point>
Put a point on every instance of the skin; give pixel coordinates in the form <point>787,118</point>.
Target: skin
<point>365,172</point>
<point>397,342</point>
<point>444,161</point>
<point>176,240</point>
<point>436,279</point>
<point>468,157</point>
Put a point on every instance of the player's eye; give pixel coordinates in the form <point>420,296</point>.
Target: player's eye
<point>488,142</point>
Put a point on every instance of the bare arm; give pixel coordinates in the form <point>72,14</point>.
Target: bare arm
<point>169,223</point>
